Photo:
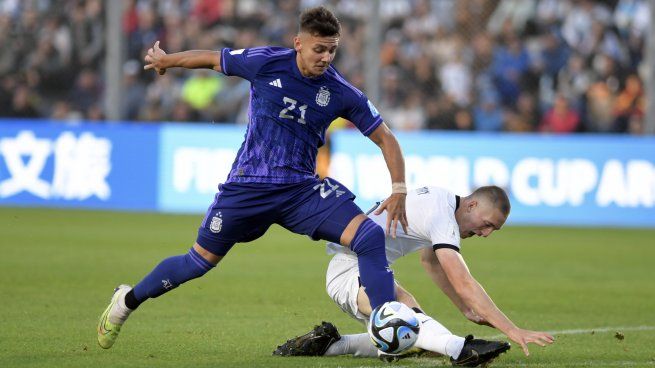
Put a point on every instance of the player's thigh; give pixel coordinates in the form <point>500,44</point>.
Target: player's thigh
<point>342,285</point>
<point>342,224</point>
<point>314,203</point>
<point>405,297</point>
<point>234,217</point>
<point>402,295</point>
<point>207,254</point>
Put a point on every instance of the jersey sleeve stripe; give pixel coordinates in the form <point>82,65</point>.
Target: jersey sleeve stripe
<point>377,123</point>
<point>445,246</point>
<point>344,82</point>
<point>259,53</point>
<point>223,68</point>
<point>257,49</point>
<point>266,52</point>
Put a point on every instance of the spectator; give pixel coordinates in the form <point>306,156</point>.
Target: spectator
<point>441,114</point>
<point>510,64</point>
<point>231,101</point>
<point>574,80</point>
<point>456,80</point>
<point>561,118</point>
<point>86,92</point>
<point>62,111</point>
<point>517,12</point>
<point>200,91</point>
<point>23,104</point>
<point>440,58</point>
<point>488,116</point>
<point>629,104</point>
<point>88,33</point>
<point>134,90</point>
<point>463,120</point>
<point>555,53</point>
<point>524,116</point>
<point>7,87</point>
<point>600,102</point>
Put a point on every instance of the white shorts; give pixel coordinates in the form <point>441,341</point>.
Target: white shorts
<point>342,284</point>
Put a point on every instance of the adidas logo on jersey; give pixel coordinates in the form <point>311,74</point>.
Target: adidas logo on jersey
<point>277,83</point>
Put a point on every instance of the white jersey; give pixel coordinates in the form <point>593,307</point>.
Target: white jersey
<point>431,218</point>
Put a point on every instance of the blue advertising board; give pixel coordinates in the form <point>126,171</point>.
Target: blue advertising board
<point>591,180</point>
<point>84,165</point>
<point>194,159</point>
<point>594,180</point>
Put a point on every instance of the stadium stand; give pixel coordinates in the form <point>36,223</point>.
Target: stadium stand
<point>500,65</point>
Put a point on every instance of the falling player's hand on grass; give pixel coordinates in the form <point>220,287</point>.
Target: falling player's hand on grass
<point>154,59</point>
<point>523,337</point>
<point>395,206</point>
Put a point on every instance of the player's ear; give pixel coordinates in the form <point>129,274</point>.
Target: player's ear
<point>472,204</point>
<point>296,43</point>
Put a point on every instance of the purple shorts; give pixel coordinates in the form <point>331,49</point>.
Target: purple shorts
<point>242,212</point>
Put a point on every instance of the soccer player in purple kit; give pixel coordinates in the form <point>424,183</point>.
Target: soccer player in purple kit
<point>295,94</point>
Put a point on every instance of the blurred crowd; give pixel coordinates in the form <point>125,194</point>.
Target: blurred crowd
<point>490,65</point>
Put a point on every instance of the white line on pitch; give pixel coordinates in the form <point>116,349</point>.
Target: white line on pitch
<point>578,364</point>
<point>589,330</point>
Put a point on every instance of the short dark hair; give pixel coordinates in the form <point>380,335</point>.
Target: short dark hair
<point>319,21</point>
<point>496,196</point>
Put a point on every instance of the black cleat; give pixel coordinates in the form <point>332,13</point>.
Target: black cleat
<point>314,343</point>
<point>479,352</point>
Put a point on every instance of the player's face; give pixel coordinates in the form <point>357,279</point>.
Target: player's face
<point>315,53</point>
<point>480,219</point>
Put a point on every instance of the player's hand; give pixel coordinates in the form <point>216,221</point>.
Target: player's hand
<point>523,337</point>
<point>475,318</point>
<point>154,59</point>
<point>395,206</point>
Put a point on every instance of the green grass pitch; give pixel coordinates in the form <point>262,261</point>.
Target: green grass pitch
<point>58,269</point>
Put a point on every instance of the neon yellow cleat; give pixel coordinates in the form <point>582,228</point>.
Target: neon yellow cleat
<point>113,317</point>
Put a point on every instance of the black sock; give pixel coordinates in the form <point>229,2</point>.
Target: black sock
<point>416,309</point>
<point>130,300</point>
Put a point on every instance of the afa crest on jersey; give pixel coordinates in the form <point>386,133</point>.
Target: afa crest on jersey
<point>216,224</point>
<point>323,96</point>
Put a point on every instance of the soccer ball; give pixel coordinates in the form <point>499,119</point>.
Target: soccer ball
<point>393,327</point>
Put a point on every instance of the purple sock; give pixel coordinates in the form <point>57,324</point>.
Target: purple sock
<point>374,271</point>
<point>171,273</point>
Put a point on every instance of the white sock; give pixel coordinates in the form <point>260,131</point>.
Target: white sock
<point>433,336</point>
<point>119,313</point>
<point>360,345</point>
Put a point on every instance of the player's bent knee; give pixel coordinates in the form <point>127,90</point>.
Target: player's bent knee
<point>363,303</point>
<point>207,255</point>
<point>350,230</point>
<point>368,238</point>
<point>405,297</point>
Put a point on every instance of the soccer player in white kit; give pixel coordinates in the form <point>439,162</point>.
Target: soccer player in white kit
<point>438,220</point>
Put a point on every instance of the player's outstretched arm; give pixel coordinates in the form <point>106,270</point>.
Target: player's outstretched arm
<point>159,60</point>
<point>393,156</point>
<point>431,265</point>
<point>474,296</point>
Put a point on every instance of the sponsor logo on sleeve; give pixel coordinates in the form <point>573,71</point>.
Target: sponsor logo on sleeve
<point>374,111</point>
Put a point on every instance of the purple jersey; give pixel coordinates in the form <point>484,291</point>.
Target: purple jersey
<point>289,114</point>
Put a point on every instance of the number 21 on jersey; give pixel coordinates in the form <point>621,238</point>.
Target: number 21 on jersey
<point>290,104</point>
